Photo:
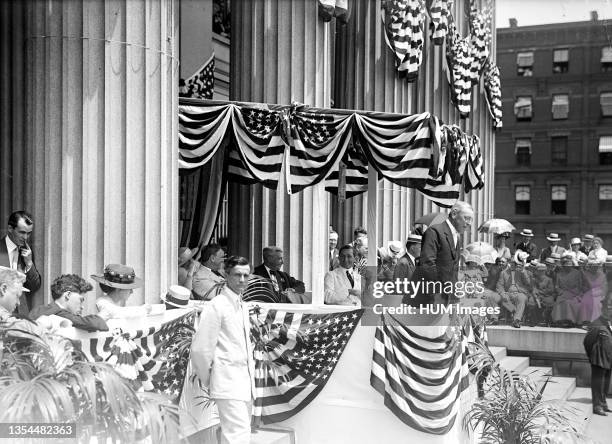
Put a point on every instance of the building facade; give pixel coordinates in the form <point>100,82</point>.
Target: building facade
<point>553,169</point>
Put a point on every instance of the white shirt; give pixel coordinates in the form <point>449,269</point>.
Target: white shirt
<point>454,231</point>
<point>272,278</point>
<point>598,255</point>
<point>337,286</point>
<point>13,253</point>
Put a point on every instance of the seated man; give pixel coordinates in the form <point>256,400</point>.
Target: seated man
<point>343,284</point>
<point>68,292</point>
<point>271,269</point>
<point>513,288</point>
<point>541,303</point>
<point>209,273</point>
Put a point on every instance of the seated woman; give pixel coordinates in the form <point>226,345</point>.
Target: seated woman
<point>118,283</point>
<point>598,254</point>
<point>569,286</point>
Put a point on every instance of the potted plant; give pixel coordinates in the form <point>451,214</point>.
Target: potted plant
<point>45,378</point>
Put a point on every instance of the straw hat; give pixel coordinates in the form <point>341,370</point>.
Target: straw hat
<point>575,241</point>
<point>588,237</point>
<point>553,237</point>
<point>526,232</point>
<point>177,297</point>
<point>185,253</point>
<point>118,276</point>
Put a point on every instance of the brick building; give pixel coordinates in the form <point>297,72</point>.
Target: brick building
<point>553,168</point>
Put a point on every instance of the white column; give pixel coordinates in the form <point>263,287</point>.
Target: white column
<point>102,134</point>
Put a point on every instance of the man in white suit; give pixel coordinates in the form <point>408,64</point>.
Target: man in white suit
<point>222,355</point>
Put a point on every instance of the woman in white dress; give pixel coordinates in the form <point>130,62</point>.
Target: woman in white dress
<point>597,253</point>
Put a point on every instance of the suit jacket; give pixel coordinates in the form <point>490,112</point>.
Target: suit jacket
<point>439,261</point>
<point>32,282</point>
<point>333,259</point>
<point>405,268</point>
<point>546,252</point>
<point>284,279</point>
<point>203,280</point>
<point>87,323</point>
<point>221,351</point>
<point>521,279</point>
<point>530,248</point>
<point>598,343</point>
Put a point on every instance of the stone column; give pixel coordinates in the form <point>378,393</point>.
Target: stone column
<point>100,137</point>
<point>280,52</point>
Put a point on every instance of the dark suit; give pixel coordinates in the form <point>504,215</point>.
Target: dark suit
<point>32,282</point>
<point>88,323</point>
<point>438,263</point>
<point>598,346</point>
<point>405,268</point>
<point>530,248</point>
<point>284,279</point>
<point>333,259</point>
<point>546,252</point>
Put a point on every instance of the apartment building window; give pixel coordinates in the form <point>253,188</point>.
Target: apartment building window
<point>522,151</point>
<point>560,106</point>
<point>523,109</point>
<point>605,198</point>
<point>606,59</point>
<point>560,61</point>
<point>605,99</point>
<point>558,199</point>
<point>559,150</point>
<point>524,64</point>
<point>522,199</point>
<point>605,150</point>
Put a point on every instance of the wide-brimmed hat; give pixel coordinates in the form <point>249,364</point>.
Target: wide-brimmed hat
<point>588,237</point>
<point>526,232</point>
<point>395,248</point>
<point>118,276</point>
<point>186,253</point>
<point>177,297</point>
<point>553,237</point>
<point>520,257</point>
<point>575,241</point>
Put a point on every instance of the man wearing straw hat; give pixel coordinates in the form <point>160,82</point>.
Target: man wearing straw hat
<point>408,262</point>
<point>553,247</point>
<point>527,245</point>
<point>187,266</point>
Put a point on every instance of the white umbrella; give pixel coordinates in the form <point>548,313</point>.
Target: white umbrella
<point>496,226</point>
<point>479,252</point>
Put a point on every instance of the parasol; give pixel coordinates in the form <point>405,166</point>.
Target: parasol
<point>479,252</point>
<point>431,219</point>
<point>496,226</point>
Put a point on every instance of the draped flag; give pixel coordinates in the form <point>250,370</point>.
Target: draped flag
<point>295,354</point>
<point>421,378</point>
<point>414,151</point>
<point>439,12</point>
<point>201,85</point>
<point>492,86</point>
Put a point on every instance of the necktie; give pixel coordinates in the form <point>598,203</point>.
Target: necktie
<point>274,279</point>
<point>350,278</point>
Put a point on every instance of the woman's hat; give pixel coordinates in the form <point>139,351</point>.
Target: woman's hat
<point>395,248</point>
<point>553,237</point>
<point>526,232</point>
<point>185,253</point>
<point>177,297</point>
<point>520,257</point>
<point>575,241</point>
<point>118,276</point>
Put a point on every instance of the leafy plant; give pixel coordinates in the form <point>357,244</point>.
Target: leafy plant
<point>512,410</point>
<point>44,378</point>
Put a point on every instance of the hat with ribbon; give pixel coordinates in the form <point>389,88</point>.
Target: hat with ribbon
<point>414,239</point>
<point>526,232</point>
<point>118,276</point>
<point>553,237</point>
<point>588,237</point>
<point>186,253</point>
<point>575,241</point>
<point>177,297</point>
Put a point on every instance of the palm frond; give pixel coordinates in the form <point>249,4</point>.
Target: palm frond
<point>159,418</point>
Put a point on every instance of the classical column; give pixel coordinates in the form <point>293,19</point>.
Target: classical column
<point>366,79</point>
<point>100,137</point>
<point>280,53</point>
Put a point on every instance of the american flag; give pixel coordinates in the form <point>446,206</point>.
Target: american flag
<point>201,85</point>
<point>420,377</point>
<point>295,354</point>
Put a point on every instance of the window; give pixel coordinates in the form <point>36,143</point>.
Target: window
<point>522,108</point>
<point>560,60</point>
<point>522,199</point>
<point>558,197</point>
<point>560,106</point>
<point>606,59</point>
<point>559,150</point>
<point>605,150</point>
<point>522,150</point>
<point>605,198</point>
<point>605,99</point>
<point>524,64</point>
